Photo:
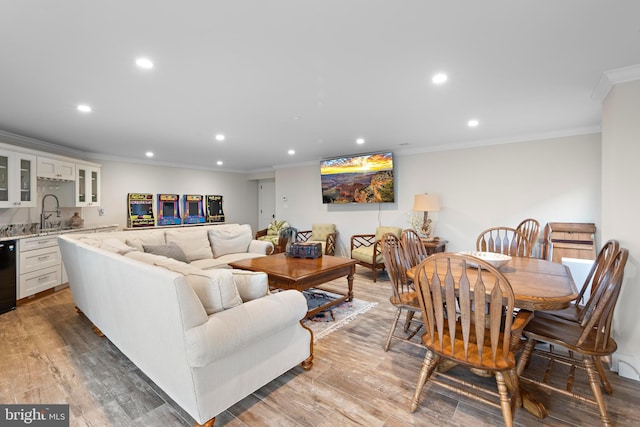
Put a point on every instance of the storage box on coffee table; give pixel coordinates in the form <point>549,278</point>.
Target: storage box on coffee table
<point>305,250</point>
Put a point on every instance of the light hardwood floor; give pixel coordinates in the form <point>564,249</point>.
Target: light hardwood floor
<point>49,354</point>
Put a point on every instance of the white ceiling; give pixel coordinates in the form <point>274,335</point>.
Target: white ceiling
<point>346,68</point>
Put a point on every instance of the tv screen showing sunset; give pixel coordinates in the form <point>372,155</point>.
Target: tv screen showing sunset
<point>366,178</point>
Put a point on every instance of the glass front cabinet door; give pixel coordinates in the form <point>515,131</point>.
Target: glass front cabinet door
<point>87,185</point>
<point>17,180</point>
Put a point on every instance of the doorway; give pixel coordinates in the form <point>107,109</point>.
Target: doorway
<point>266,202</point>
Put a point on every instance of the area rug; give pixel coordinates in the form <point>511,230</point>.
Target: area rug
<point>327,321</point>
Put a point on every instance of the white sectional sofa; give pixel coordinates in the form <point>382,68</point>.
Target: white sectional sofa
<point>207,337</point>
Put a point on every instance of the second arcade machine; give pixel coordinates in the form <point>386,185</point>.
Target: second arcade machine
<point>168,209</point>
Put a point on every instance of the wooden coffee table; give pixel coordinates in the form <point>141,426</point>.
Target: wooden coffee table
<point>303,273</point>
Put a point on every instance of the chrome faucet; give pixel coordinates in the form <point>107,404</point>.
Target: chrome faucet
<point>43,216</point>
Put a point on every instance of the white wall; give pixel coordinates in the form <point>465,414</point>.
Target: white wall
<point>240,195</point>
<point>550,180</point>
<point>620,207</point>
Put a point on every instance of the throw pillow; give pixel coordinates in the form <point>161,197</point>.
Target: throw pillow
<point>319,232</point>
<point>194,243</point>
<point>170,250</point>
<point>216,290</point>
<point>382,230</point>
<point>273,229</point>
<point>230,240</point>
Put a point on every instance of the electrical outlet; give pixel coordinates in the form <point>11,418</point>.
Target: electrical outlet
<point>100,211</point>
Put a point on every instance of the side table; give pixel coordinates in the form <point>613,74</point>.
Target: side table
<point>434,246</point>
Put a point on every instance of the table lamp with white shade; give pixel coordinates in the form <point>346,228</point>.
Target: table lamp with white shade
<point>426,203</point>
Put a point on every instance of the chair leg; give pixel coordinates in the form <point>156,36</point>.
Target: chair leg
<point>595,389</point>
<point>514,388</point>
<point>428,365</point>
<point>505,404</point>
<point>392,330</point>
<point>603,378</point>
<point>407,322</point>
<point>523,361</point>
<point>375,271</point>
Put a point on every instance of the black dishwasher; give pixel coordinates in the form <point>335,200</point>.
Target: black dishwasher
<point>7,275</point>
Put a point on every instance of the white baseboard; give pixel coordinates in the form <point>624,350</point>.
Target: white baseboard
<point>626,365</point>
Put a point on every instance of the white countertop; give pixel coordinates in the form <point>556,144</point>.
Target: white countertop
<point>55,231</point>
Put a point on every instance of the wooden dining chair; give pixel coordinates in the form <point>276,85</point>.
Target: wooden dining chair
<point>468,321</point>
<point>414,249</point>
<point>530,228</point>
<point>586,341</point>
<point>503,240</point>
<point>575,311</point>
<point>404,297</point>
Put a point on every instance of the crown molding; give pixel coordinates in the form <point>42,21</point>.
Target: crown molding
<point>39,145</point>
<point>613,77</point>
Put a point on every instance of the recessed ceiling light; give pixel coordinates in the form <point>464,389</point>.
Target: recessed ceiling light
<point>149,154</point>
<point>84,108</point>
<point>144,63</point>
<point>439,78</point>
<point>473,123</point>
<point>291,152</point>
<point>294,118</point>
<point>219,163</point>
<point>360,141</point>
<point>219,137</point>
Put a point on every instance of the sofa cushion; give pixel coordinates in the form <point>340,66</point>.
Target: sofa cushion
<point>237,257</point>
<point>147,237</point>
<point>216,289</point>
<point>229,240</point>
<point>251,284</point>
<point>365,254</point>
<point>194,243</point>
<point>170,250</point>
<point>177,266</point>
<point>145,257</point>
<point>207,264</point>
<point>116,246</point>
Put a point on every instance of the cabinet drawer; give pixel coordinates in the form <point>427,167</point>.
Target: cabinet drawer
<point>38,259</point>
<point>38,242</point>
<point>38,281</point>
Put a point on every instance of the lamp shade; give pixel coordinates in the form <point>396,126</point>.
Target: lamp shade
<point>426,203</point>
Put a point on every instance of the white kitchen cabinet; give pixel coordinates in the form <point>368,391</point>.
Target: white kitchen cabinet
<point>87,185</point>
<point>17,180</point>
<point>56,169</point>
<point>39,265</point>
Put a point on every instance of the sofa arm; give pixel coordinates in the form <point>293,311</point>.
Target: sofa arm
<point>240,326</point>
<point>260,247</point>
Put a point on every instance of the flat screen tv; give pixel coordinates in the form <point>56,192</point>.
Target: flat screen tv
<point>361,178</point>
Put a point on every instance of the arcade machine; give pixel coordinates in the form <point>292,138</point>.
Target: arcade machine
<point>168,209</point>
<point>140,210</point>
<point>193,209</point>
<point>214,209</point>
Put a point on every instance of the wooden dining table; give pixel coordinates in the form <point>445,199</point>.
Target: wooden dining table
<point>537,285</point>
